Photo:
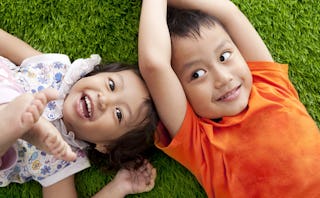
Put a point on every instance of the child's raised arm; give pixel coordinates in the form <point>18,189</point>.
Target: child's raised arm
<point>155,64</point>
<point>236,23</point>
<point>15,49</point>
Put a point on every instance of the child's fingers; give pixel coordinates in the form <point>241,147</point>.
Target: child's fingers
<point>153,174</point>
<point>150,183</point>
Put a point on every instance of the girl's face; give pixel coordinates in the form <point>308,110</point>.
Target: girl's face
<point>102,107</point>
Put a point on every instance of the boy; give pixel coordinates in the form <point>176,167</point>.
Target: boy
<point>247,134</point>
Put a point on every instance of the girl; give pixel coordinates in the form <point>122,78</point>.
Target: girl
<point>109,110</point>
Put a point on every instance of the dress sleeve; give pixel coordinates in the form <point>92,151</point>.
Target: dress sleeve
<point>63,171</point>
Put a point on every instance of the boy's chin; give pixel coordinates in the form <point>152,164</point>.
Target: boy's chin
<point>236,111</point>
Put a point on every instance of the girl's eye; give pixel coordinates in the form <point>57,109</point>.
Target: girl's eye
<point>225,56</point>
<point>119,114</point>
<point>198,74</point>
<point>111,84</point>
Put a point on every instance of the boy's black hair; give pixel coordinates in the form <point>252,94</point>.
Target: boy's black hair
<point>187,23</point>
<point>129,150</point>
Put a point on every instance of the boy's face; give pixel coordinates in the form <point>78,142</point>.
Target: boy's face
<point>103,107</point>
<point>213,73</point>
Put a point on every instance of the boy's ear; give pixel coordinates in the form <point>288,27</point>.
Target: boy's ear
<point>102,148</point>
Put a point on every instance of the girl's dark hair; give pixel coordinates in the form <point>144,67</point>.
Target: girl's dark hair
<point>187,23</point>
<point>129,150</point>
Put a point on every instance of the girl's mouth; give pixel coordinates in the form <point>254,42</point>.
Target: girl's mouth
<point>86,107</point>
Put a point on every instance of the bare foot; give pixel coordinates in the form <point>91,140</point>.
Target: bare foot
<point>45,136</point>
<point>17,117</point>
<point>20,117</point>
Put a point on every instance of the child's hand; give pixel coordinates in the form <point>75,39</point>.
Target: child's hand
<point>137,181</point>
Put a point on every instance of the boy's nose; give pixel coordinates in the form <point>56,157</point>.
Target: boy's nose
<point>221,78</point>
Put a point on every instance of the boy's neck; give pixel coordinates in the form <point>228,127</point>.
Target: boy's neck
<point>216,120</point>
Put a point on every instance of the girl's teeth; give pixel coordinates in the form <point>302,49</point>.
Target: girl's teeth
<point>88,103</point>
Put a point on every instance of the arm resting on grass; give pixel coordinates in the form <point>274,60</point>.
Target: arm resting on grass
<point>14,48</point>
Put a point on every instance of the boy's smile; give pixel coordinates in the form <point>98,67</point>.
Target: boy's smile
<point>230,95</point>
<point>213,73</point>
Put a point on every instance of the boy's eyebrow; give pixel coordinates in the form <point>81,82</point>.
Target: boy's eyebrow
<point>221,44</point>
<point>189,64</point>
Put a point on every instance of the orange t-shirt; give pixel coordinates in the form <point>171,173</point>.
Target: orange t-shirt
<point>271,149</point>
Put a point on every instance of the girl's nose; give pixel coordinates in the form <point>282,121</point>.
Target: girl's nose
<point>104,101</point>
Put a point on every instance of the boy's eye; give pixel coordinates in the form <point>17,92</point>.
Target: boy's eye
<point>198,74</point>
<point>111,84</point>
<point>225,56</point>
<point>119,114</point>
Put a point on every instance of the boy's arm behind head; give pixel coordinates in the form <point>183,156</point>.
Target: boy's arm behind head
<point>154,63</point>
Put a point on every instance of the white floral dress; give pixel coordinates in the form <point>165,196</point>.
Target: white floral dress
<point>33,75</point>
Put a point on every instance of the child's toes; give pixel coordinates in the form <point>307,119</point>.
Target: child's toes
<point>69,155</point>
<point>27,120</point>
<point>63,151</point>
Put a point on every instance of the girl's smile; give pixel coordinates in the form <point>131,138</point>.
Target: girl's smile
<point>85,107</point>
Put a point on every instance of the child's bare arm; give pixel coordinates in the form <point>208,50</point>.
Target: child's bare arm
<point>155,65</point>
<point>236,23</point>
<point>15,49</point>
<point>130,182</point>
<point>63,188</point>
<point>125,182</point>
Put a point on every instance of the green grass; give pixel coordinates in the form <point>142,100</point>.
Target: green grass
<point>109,28</point>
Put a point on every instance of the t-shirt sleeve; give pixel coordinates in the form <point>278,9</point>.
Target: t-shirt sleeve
<point>189,140</point>
<point>274,74</point>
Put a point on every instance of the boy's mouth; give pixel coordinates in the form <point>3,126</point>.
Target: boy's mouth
<point>86,107</point>
<point>230,95</point>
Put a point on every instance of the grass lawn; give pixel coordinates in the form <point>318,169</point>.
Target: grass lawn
<point>79,28</point>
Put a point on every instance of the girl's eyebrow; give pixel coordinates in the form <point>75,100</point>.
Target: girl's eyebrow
<point>126,106</point>
<point>122,87</point>
<point>120,80</point>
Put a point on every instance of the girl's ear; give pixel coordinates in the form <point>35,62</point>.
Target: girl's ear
<point>101,148</point>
